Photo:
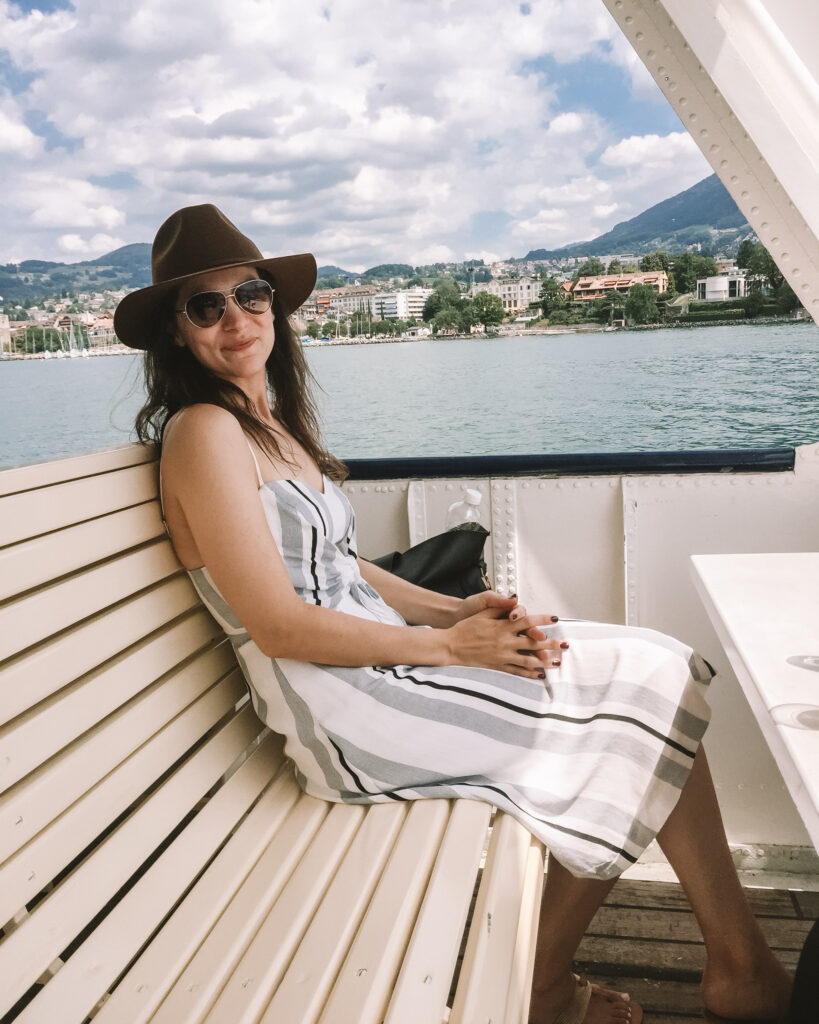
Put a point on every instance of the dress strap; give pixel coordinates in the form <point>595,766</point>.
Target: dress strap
<point>255,463</point>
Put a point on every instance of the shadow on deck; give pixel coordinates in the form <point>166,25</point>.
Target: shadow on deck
<point>645,940</point>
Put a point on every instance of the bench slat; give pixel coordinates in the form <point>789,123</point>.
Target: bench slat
<point>493,936</point>
<point>32,563</point>
<point>34,737</point>
<point>302,992</point>
<point>43,670</point>
<point>28,951</point>
<point>45,474</point>
<point>36,800</point>
<point>362,990</point>
<point>32,513</point>
<point>45,612</point>
<point>523,960</point>
<point>258,972</point>
<point>26,873</point>
<point>92,968</point>
<point>290,878</point>
<point>421,991</point>
<point>141,991</point>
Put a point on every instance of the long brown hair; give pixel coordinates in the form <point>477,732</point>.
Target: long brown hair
<point>174,379</point>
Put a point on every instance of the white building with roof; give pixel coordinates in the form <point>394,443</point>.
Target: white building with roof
<point>516,293</point>
<point>407,304</point>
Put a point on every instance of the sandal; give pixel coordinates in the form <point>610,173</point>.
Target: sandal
<point>574,1012</point>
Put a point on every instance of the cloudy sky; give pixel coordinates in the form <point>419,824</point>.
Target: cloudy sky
<point>367,132</point>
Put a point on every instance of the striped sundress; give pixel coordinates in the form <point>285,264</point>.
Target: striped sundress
<point>591,760</point>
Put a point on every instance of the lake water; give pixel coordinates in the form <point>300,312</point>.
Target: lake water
<point>717,387</point>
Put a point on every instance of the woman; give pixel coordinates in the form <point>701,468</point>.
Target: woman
<point>595,753</point>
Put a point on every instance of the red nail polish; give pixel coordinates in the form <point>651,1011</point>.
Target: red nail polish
<point>555,618</point>
<point>555,662</point>
<point>564,646</point>
<point>541,675</point>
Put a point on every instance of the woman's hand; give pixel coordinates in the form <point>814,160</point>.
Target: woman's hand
<point>495,632</point>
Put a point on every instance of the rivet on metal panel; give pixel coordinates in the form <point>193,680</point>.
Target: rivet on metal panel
<point>661,69</point>
<point>683,101</point>
<point>651,53</point>
<point>18,820</point>
<point>639,36</point>
<point>745,193</point>
<point>764,225</point>
<point>351,489</point>
<point>785,257</point>
<point>796,271</point>
<point>703,133</point>
<point>508,487</point>
<point>361,972</point>
<point>433,488</point>
<point>714,148</point>
<point>576,484</point>
<point>754,209</point>
<point>392,488</point>
<point>734,481</point>
<point>734,177</point>
<point>560,485</point>
<point>495,485</point>
<point>723,163</point>
<point>612,483</point>
<point>525,486</point>
<point>364,489</point>
<point>450,487</point>
<point>510,546</point>
<point>629,19</point>
<point>509,523</point>
<point>692,117</point>
<point>541,486</point>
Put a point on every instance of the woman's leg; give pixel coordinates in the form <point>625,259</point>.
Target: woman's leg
<point>568,906</point>
<point>742,979</point>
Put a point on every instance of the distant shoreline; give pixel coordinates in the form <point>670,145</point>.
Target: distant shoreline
<point>558,329</point>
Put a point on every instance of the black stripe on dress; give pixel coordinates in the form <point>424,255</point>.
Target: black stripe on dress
<point>308,499</point>
<point>313,547</point>
<point>551,715</point>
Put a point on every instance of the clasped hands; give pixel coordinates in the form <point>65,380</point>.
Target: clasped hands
<point>495,632</point>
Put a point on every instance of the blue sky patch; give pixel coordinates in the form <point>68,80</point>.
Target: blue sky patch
<point>118,180</point>
<point>11,77</point>
<point>46,6</point>
<point>39,123</point>
<point>605,88</point>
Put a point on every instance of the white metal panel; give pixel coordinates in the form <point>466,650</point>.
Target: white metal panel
<point>381,515</point>
<point>674,517</point>
<point>732,73</point>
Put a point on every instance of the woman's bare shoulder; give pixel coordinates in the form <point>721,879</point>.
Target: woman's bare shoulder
<point>201,434</point>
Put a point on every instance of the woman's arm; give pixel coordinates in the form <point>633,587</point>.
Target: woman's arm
<point>208,473</point>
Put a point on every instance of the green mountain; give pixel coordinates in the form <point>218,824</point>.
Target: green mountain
<point>704,214</point>
<point>33,280</point>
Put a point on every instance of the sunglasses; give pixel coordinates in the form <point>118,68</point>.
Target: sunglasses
<point>205,309</point>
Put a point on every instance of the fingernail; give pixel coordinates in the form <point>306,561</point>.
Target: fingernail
<point>564,646</point>
<point>555,618</point>
<point>555,662</point>
<point>541,675</point>
<point>512,596</point>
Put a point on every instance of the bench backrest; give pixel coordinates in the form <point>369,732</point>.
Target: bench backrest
<point>121,704</point>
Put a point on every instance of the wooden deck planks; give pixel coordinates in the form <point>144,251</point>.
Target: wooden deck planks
<point>645,941</point>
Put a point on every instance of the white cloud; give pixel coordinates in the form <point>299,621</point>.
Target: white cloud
<point>650,150</point>
<point>566,124</point>
<point>98,245</point>
<point>378,133</point>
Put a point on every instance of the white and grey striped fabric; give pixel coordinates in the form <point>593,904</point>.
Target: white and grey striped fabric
<point>592,760</point>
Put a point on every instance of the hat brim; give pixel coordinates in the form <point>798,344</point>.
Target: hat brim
<point>135,318</point>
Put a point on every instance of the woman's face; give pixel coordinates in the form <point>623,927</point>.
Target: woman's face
<point>237,347</point>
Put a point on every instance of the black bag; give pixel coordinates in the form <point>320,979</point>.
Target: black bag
<point>449,563</point>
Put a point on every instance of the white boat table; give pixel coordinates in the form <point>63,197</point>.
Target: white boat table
<point>765,609</point>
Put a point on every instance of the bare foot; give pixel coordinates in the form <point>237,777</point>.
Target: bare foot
<point>567,996</point>
<point>753,995</point>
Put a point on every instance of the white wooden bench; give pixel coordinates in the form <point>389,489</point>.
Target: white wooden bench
<point>157,859</point>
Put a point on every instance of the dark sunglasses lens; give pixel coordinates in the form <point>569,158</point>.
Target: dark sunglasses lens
<point>206,308</point>
<point>254,296</point>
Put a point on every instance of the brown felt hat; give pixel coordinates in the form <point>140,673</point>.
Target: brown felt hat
<point>196,240</point>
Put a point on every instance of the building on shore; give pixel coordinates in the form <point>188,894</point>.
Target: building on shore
<point>516,293</point>
<point>728,284</point>
<point>407,304</point>
<point>328,303</point>
<point>586,289</point>
<point>5,333</point>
